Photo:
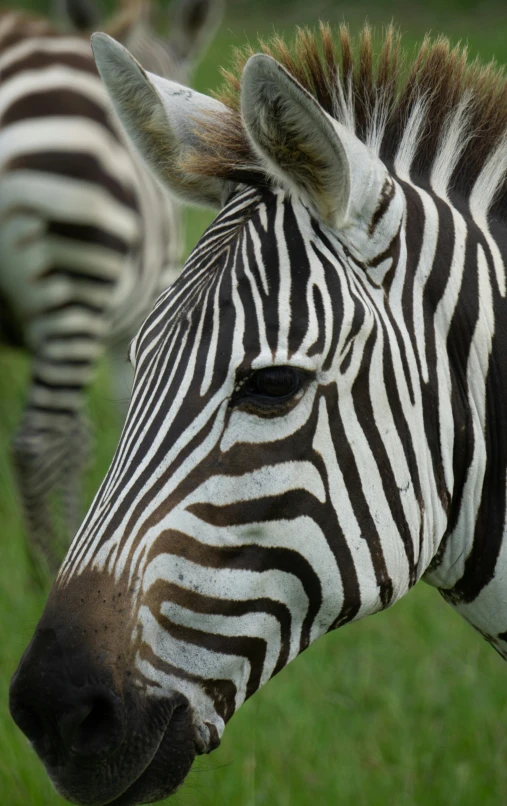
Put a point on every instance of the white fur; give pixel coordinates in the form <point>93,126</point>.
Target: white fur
<point>453,142</point>
<point>171,112</point>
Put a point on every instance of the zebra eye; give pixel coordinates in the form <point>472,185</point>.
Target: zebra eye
<point>270,391</point>
<point>274,382</point>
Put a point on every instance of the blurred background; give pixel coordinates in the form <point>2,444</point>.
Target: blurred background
<point>406,708</point>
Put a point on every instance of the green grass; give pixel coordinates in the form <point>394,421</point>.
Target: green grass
<point>407,708</point>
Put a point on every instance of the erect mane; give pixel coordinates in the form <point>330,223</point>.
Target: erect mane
<point>437,119</point>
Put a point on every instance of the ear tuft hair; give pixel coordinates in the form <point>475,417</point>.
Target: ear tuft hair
<point>405,112</point>
<point>295,138</point>
<point>161,118</point>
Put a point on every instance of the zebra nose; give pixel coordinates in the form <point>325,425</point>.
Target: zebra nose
<point>92,724</point>
<point>64,707</point>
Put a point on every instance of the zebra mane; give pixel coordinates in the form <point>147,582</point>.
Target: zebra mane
<point>437,120</point>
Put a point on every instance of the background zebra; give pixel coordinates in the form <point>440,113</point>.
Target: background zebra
<point>318,410</point>
<point>87,236</point>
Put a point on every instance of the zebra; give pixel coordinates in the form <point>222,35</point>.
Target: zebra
<point>317,418</point>
<point>88,237</point>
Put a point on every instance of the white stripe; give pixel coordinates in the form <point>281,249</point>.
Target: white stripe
<point>251,625</point>
<point>68,200</point>
<point>194,659</point>
<point>50,79</point>
<point>45,44</point>
<point>482,197</point>
<point>409,142</point>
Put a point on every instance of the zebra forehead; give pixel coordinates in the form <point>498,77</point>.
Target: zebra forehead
<point>215,245</point>
<point>259,207</point>
<point>244,242</point>
<point>439,100</point>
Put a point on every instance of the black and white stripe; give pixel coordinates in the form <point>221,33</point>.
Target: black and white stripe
<point>252,536</point>
<point>317,420</point>
<point>88,239</point>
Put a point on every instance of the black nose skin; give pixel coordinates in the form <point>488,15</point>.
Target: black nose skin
<point>64,703</point>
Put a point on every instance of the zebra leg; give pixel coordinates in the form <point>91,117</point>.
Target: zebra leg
<point>51,445</point>
<point>71,485</point>
<point>37,457</point>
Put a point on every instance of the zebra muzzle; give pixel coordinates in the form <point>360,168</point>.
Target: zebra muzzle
<point>101,742</point>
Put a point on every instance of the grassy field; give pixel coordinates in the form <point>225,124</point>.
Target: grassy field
<point>408,708</point>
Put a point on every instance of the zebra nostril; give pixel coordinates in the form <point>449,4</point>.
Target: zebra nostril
<point>95,726</point>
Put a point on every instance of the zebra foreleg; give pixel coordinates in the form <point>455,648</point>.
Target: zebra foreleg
<point>71,484</point>
<point>49,465</point>
<point>50,451</point>
<point>37,460</point>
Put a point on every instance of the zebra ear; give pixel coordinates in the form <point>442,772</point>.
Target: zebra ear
<point>306,151</point>
<point>160,117</point>
<point>192,24</point>
<point>78,15</point>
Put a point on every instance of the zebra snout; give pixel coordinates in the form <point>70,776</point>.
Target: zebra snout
<point>101,738</point>
<point>64,703</point>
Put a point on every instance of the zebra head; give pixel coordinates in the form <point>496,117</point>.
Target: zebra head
<point>173,52</point>
<point>278,475</point>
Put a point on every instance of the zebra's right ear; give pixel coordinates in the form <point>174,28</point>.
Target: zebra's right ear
<point>160,117</point>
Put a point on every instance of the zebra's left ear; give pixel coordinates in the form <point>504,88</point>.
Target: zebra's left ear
<point>306,150</point>
<point>160,117</point>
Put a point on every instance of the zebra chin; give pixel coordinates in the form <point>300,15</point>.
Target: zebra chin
<point>162,777</point>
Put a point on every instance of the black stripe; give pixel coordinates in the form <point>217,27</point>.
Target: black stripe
<point>163,591</point>
<point>74,335</point>
<point>384,201</point>
<point>254,649</point>
<point>318,345</point>
<point>88,234</point>
<point>75,165</point>
<point>54,410</point>
<point>40,60</point>
<point>348,466</point>
<point>67,362</point>
<point>361,395</point>
<point>38,380</point>
<point>221,692</point>
<point>250,558</point>
<point>77,277</point>
<point>57,102</point>
<point>72,304</point>
<point>481,563</point>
